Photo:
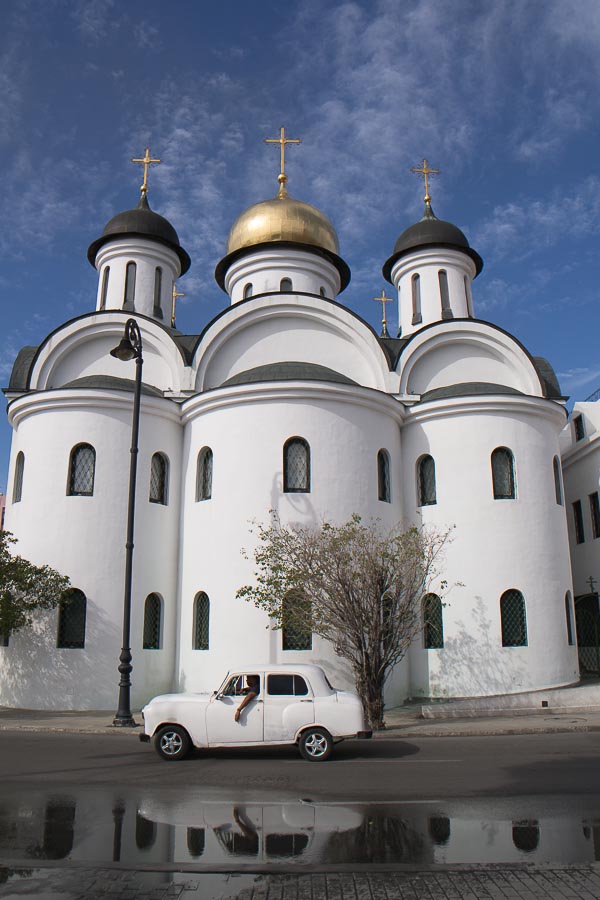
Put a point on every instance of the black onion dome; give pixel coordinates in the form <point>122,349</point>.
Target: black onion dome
<point>430,232</point>
<point>141,222</point>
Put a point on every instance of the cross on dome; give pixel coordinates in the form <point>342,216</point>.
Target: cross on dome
<point>146,161</point>
<point>282,141</point>
<point>383,300</point>
<point>174,297</point>
<point>425,171</point>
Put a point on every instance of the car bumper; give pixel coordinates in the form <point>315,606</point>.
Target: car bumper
<point>361,735</point>
<point>144,738</point>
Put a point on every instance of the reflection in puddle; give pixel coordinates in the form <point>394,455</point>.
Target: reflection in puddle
<point>93,827</point>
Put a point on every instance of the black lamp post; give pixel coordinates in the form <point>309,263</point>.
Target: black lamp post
<point>129,348</point>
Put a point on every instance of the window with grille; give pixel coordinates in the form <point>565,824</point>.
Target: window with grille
<point>204,474</point>
<point>71,620</point>
<point>579,428</point>
<point>201,621</point>
<point>157,309</point>
<point>595,514</point>
<point>433,622</point>
<point>296,633</point>
<point>578,522</point>
<point>159,474</point>
<point>416,299</point>
<point>285,284</point>
<point>296,466</point>
<point>248,289</point>
<point>383,476</point>
<point>152,622</point>
<point>445,294</point>
<point>503,474</point>
<point>426,481</point>
<point>513,620</point>
<point>129,296</point>
<point>18,479</point>
<point>104,291</point>
<point>569,618</point>
<point>557,481</point>
<point>82,468</point>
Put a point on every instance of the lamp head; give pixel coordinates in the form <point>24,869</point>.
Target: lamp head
<point>125,351</point>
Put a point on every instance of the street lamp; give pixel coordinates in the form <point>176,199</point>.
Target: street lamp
<point>129,348</point>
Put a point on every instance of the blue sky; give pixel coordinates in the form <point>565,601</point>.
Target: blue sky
<point>501,95</point>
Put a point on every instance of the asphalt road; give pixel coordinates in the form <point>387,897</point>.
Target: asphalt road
<point>385,769</point>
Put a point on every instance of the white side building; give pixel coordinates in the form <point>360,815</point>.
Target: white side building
<point>288,401</point>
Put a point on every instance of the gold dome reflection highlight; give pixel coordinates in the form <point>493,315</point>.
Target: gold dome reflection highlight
<point>282,219</point>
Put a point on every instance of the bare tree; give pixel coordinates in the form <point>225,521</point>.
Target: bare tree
<point>357,585</point>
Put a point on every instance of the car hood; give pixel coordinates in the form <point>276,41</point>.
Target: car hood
<point>180,698</point>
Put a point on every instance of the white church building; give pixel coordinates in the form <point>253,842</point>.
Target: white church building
<point>287,401</point>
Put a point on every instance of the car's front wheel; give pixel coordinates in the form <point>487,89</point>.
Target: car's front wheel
<point>172,742</point>
<point>315,744</point>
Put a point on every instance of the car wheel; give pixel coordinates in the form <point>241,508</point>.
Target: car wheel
<point>172,742</point>
<point>315,744</point>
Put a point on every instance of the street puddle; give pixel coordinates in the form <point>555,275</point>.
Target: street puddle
<point>159,828</point>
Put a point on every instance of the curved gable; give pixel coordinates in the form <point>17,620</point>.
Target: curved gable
<point>466,351</point>
<point>279,328</point>
<point>81,349</point>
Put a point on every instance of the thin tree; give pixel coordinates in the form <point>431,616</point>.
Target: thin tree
<point>358,585</point>
<point>25,588</point>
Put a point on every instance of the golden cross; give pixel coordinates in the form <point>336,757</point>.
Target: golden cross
<point>383,300</point>
<point>282,141</point>
<point>425,171</point>
<point>146,162</point>
<point>176,294</point>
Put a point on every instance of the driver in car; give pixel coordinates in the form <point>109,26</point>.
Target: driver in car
<point>252,691</point>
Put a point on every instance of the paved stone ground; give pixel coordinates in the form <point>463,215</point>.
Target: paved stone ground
<point>497,883</point>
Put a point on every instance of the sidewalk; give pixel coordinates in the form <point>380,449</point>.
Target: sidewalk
<point>574,708</point>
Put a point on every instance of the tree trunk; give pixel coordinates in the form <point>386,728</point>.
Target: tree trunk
<point>370,691</point>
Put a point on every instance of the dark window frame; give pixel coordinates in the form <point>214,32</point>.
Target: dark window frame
<point>292,442</point>
<point>569,618</point>
<point>130,279</point>
<point>72,620</point>
<point>433,622</point>
<point>384,484</point>
<point>159,480</point>
<point>152,633</point>
<point>17,494</point>
<point>157,305</point>
<point>286,285</point>
<point>426,481</point>
<point>558,491</point>
<point>76,477</point>
<point>502,462</point>
<point>578,522</point>
<point>415,284</point>
<point>294,637</point>
<point>513,619</point>
<point>204,474</point>
<point>594,501</point>
<point>201,624</point>
<point>579,427</point>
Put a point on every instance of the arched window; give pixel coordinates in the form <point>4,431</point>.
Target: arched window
<point>526,835</point>
<point>569,617</point>
<point>152,622</point>
<point>445,294</point>
<point>416,299</point>
<point>503,474</point>
<point>204,473</point>
<point>104,291</point>
<point>248,290</point>
<point>322,291</point>
<point>82,468</point>
<point>296,466</point>
<point>71,620</point>
<point>296,633</point>
<point>157,309</point>
<point>285,284</point>
<point>18,479</point>
<point>433,623</point>
<point>201,621</point>
<point>159,479</point>
<point>513,620</point>
<point>426,481</point>
<point>557,482</point>
<point>468,297</point>
<point>439,829</point>
<point>383,476</point>
<point>196,841</point>
<point>129,296</point>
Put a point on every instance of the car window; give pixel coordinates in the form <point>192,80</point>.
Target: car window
<point>286,685</point>
<point>237,686</point>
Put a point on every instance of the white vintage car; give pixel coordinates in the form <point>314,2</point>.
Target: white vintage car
<point>255,706</point>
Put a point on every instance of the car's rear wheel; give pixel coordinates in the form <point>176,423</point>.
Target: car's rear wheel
<point>172,742</point>
<point>315,744</point>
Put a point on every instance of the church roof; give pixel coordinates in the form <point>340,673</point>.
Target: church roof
<point>288,371</point>
<point>109,383</point>
<point>468,389</point>
<point>141,222</point>
<point>430,231</point>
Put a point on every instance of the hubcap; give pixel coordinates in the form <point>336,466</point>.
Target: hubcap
<point>316,745</point>
<point>171,743</point>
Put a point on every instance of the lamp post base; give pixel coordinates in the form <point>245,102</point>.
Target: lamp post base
<point>124,722</point>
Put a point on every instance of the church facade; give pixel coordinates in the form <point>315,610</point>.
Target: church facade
<point>285,401</point>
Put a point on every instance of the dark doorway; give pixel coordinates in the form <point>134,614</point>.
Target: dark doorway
<point>587,618</point>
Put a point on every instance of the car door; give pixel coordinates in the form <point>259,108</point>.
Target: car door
<point>221,727</point>
<point>289,705</point>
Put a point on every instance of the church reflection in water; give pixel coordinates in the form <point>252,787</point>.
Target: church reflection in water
<point>90,826</point>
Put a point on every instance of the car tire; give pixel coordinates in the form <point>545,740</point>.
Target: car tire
<point>172,742</point>
<point>315,744</point>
